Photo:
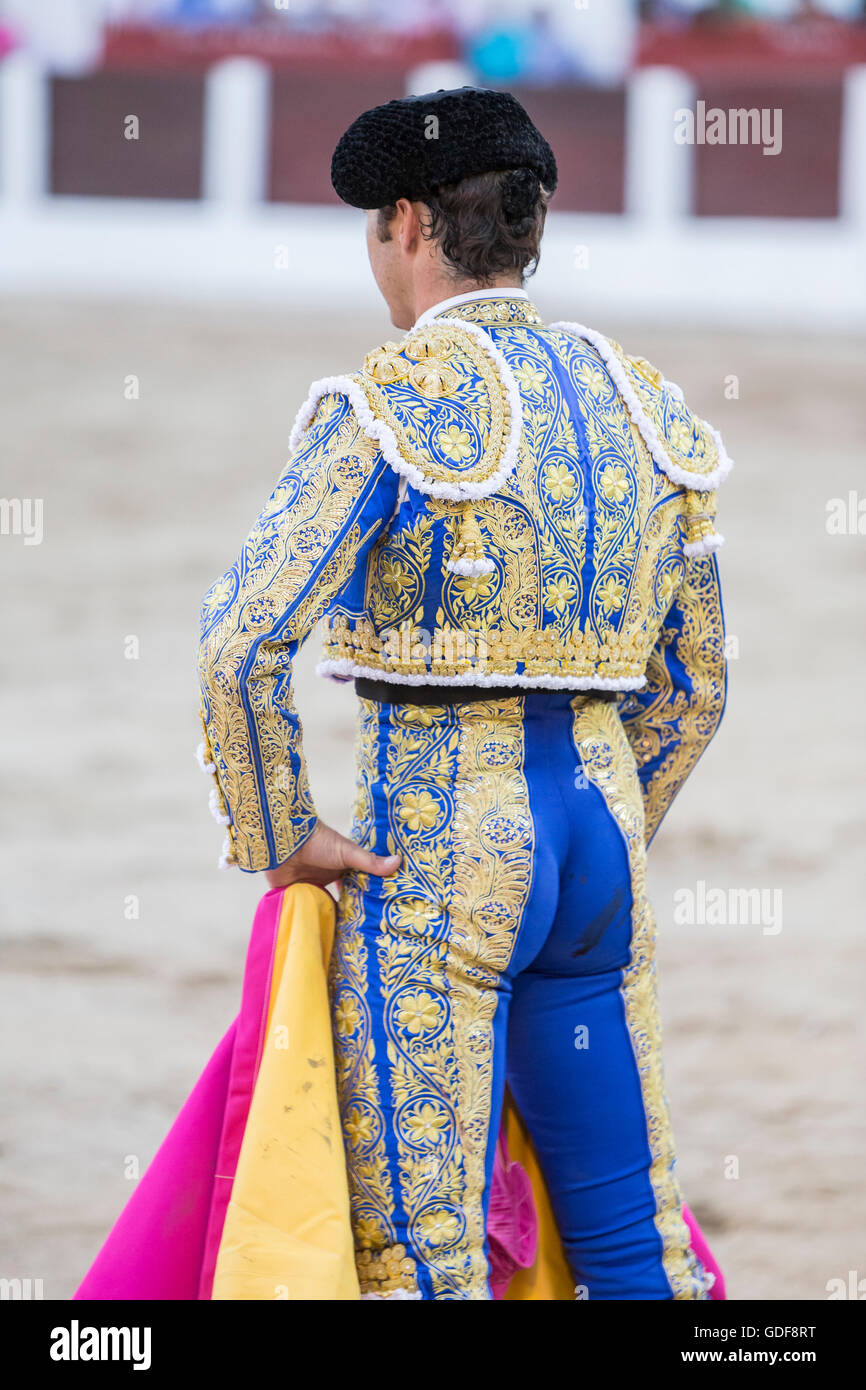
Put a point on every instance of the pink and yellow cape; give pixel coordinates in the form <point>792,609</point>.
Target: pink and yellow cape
<point>247,1197</point>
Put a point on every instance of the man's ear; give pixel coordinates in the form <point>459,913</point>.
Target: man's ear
<point>409,226</point>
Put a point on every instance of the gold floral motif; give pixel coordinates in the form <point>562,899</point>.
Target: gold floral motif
<point>455,443</point>
<point>559,481</point>
<point>530,378</point>
<point>614,482</point>
<point>611,594</point>
<point>559,593</point>
<point>418,811</point>
<point>609,765</point>
<point>419,1013</point>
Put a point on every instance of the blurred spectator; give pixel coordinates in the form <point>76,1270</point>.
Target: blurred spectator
<point>213,11</point>
<point>544,44</point>
<point>521,48</point>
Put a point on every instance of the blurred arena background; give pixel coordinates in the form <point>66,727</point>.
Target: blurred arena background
<point>174,271</point>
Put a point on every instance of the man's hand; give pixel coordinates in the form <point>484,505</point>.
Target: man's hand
<point>325,856</point>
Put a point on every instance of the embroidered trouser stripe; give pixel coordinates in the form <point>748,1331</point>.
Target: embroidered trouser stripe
<point>609,765</point>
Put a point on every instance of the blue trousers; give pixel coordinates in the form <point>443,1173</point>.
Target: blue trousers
<point>515,945</point>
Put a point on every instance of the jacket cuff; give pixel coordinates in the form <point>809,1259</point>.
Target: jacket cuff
<point>251,856</point>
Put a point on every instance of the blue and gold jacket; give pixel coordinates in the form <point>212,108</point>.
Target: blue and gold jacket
<point>489,501</point>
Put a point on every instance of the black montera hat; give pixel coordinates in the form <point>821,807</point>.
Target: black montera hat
<point>397,150</point>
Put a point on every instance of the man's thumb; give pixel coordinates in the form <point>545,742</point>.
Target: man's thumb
<point>365,862</point>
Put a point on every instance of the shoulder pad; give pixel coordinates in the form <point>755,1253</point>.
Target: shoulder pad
<point>442,404</point>
<point>692,445</point>
<point>450,401</point>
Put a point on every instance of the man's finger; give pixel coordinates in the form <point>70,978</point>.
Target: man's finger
<point>365,862</point>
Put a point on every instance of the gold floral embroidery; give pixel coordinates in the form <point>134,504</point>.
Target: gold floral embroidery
<point>614,482</point>
<point>559,481</point>
<point>248,710</point>
<point>530,378</point>
<point>609,765</point>
<point>397,573</point>
<point>452,914</point>
<point>370,1186</point>
<point>688,439</point>
<point>493,311</point>
<point>455,443</point>
<point>682,720</point>
<point>529,616</point>
<point>466,436</point>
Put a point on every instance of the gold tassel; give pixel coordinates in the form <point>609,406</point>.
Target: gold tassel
<point>467,556</point>
<point>700,512</point>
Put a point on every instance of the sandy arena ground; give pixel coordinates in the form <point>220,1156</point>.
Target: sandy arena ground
<point>107,1021</point>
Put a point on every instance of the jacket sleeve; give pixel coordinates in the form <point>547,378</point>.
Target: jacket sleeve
<point>334,498</point>
<point>672,719</point>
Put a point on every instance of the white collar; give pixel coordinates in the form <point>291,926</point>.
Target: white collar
<point>503,292</point>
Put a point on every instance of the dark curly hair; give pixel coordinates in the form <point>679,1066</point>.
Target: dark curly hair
<point>485,225</point>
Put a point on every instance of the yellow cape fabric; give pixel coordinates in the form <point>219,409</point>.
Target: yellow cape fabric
<point>287,1233</point>
<point>548,1279</point>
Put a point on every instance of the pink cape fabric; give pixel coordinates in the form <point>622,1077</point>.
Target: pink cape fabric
<point>512,1227</point>
<point>165,1242</point>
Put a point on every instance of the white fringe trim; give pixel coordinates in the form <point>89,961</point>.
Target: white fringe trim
<point>398,1295</point>
<point>200,759</point>
<point>227,859</point>
<point>705,546</point>
<point>683,477</point>
<point>470,568</point>
<point>384,436</point>
<point>346,667</point>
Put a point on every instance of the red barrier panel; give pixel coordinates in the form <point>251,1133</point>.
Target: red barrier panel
<point>90,152</point>
<point>349,48</point>
<point>711,47</point>
<point>739,180</point>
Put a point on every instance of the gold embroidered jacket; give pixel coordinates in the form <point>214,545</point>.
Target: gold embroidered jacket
<point>489,501</point>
